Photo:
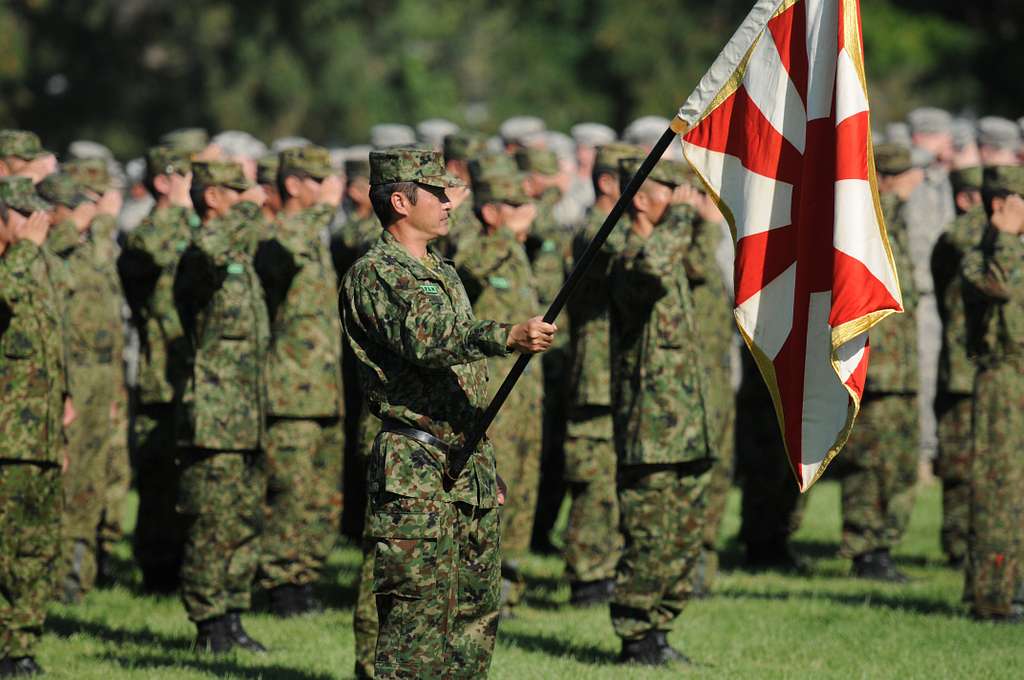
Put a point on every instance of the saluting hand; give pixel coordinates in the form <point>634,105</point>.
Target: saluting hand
<point>34,228</point>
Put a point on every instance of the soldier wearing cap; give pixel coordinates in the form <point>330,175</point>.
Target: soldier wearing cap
<point>193,141</point>
<point>409,322</point>
<point>305,398</point>
<point>927,212</point>
<point>242,148</point>
<point>266,177</point>
<point>496,272</point>
<point>662,438</point>
<point>361,228</point>
<point>222,413</point>
<point>147,265</point>
<point>879,469</point>
<point>459,149</point>
<point>953,402</point>
<point>587,138</point>
<point>592,541</point>
<point>994,286</point>
<point>965,144</point>
<point>22,154</point>
<point>999,141</point>
<point>35,408</point>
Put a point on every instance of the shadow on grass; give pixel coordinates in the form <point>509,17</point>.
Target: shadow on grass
<point>543,643</point>
<point>66,626</point>
<point>217,666</point>
<point>909,603</point>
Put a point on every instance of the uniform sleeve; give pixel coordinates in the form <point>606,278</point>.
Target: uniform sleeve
<point>412,325</point>
<point>996,276</point>
<point>196,281</point>
<point>276,265</point>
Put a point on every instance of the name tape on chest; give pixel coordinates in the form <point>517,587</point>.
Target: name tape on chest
<point>430,289</point>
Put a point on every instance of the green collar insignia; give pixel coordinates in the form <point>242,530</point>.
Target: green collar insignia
<point>236,268</point>
<point>499,282</point>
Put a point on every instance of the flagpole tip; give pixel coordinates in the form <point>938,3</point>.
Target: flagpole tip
<point>679,126</point>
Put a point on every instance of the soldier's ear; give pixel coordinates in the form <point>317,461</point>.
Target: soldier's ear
<point>212,198</point>
<point>490,214</point>
<point>293,185</point>
<point>400,204</point>
<point>162,183</point>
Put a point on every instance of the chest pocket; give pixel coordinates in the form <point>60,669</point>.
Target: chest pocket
<point>236,312</point>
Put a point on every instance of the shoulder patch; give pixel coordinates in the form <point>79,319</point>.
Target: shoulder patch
<point>430,289</point>
<point>548,246</point>
<point>499,282</point>
<point>236,268</point>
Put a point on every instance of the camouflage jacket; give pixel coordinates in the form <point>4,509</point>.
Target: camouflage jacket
<point>956,370</point>
<point>224,316</point>
<point>658,400</point>
<point>147,265</point>
<point>33,379</point>
<point>994,282</point>
<point>92,300</point>
<point>496,274</point>
<point>420,350</point>
<point>304,367</point>
<point>892,365</point>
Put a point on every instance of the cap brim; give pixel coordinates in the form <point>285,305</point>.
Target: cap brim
<point>31,204</point>
<point>239,186</point>
<point>445,181</point>
<point>33,156</point>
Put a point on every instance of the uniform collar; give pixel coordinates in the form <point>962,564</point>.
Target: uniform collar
<point>421,270</point>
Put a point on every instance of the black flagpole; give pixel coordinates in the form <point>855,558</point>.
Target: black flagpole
<point>457,459</point>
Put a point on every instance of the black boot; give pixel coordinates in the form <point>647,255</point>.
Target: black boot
<point>212,636</point>
<point>774,556</point>
<point>311,604</point>
<point>668,652</point>
<point>286,601</point>
<point>877,565</point>
<point>19,667</point>
<point>644,651</point>
<point>588,593</point>
<point>239,636</point>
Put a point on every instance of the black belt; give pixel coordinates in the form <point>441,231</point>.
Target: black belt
<point>419,435</point>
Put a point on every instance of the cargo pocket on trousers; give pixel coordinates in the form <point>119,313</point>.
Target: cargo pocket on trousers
<point>405,551</point>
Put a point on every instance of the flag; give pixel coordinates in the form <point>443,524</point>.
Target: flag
<point>778,131</point>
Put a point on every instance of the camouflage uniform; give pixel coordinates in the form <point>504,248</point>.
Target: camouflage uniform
<point>305,437</point>
<point>436,569</point>
<point>661,429</point>
<point>994,286</point>
<point>33,384</point>
<point>879,463</point>
<point>148,265</point>
<point>953,403</point>
<point>221,419</point>
<point>92,304</point>
<point>496,273</point>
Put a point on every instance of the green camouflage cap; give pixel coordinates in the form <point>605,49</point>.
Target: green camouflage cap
<point>1004,178</point>
<point>406,164</point>
<point>61,188</point>
<point>966,179</point>
<point>892,159</point>
<point>267,167</point>
<point>541,161</point>
<point>314,161</point>
<point>22,144</point>
<point>166,160</point>
<point>489,164</point>
<point>190,140</point>
<point>18,193</point>
<point>609,155</point>
<point>464,145</point>
<point>91,173</point>
<point>356,168</point>
<point>665,172</point>
<point>500,188</point>
<point>219,174</point>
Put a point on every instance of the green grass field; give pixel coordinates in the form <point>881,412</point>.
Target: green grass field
<point>755,626</point>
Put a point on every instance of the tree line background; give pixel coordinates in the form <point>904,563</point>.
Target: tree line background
<point>123,71</point>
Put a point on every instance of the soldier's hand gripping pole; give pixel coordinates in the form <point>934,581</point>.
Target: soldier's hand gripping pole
<point>458,458</point>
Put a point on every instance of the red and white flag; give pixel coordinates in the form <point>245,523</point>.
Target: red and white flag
<point>780,135</point>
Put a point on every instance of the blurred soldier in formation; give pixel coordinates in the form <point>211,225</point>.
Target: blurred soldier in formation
<point>36,408</point>
<point>592,540</point>
<point>22,154</point>
<point>661,426</point>
<point>999,141</point>
<point>305,397</point>
<point>147,266</point>
<point>587,138</point>
<point>994,285</point>
<point>222,417</point>
<point>432,132</point>
<point>459,149</point>
<point>953,403</point>
<point>266,177</point>
<point>878,470</point>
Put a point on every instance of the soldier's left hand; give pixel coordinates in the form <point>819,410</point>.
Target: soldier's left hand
<point>331,190</point>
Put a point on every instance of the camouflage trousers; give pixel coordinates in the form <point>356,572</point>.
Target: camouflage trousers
<point>593,543</point>
<point>663,513</point>
<point>303,514</point>
<point>953,467</point>
<point>516,433</point>
<point>31,500</point>
<point>119,478</point>
<point>718,497</point>
<point>159,529</point>
<point>551,489</point>
<point>364,617</point>
<point>436,569</point>
<point>878,469</point>
<point>221,497</point>
<point>91,448</point>
<point>995,548</point>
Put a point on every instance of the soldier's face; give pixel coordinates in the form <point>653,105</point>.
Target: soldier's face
<point>653,200</point>
<point>36,169</point>
<point>430,213</point>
